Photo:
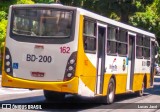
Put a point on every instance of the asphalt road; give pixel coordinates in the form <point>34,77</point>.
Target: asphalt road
<point>123,103</point>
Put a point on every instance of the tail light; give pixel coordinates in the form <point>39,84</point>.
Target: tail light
<point>8,62</point>
<point>70,68</point>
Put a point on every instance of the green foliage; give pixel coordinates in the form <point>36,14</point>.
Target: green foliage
<point>114,16</point>
<point>5,5</point>
<point>43,1</point>
<point>158,7</point>
<point>122,9</point>
<point>24,2</point>
<point>3,24</point>
<point>148,20</point>
<point>2,15</point>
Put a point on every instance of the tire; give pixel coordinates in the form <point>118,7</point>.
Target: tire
<point>53,96</point>
<point>141,92</point>
<point>110,92</point>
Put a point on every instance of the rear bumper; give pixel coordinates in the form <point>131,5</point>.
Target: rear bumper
<point>70,86</point>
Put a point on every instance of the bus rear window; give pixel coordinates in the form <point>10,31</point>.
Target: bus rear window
<point>42,23</point>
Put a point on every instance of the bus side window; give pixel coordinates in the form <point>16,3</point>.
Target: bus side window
<point>142,47</point>
<point>122,49</point>
<point>111,40</point>
<point>111,47</point>
<point>89,38</point>
<point>139,46</point>
<point>112,33</point>
<point>90,43</point>
<point>122,42</point>
<point>139,52</point>
<point>146,49</point>
<point>146,52</point>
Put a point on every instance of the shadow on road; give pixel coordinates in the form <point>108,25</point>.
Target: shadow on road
<point>75,103</point>
<point>156,89</point>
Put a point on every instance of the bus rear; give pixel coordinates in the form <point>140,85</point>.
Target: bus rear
<point>41,48</point>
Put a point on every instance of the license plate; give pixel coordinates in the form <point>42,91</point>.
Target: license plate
<point>39,58</point>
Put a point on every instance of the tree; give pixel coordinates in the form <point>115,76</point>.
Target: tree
<point>44,1</point>
<point>148,20</point>
<point>123,8</point>
<point>3,24</point>
<point>115,9</point>
<point>3,15</point>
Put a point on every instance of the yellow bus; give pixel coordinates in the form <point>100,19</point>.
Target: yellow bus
<point>69,50</point>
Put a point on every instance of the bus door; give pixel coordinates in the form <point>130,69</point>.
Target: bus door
<point>131,60</point>
<point>101,35</point>
<point>153,53</point>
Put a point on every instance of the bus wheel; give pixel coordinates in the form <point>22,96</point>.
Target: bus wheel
<point>141,92</point>
<point>53,96</point>
<point>110,93</point>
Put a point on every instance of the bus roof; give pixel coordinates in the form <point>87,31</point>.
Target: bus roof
<point>115,23</point>
<point>92,15</point>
